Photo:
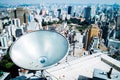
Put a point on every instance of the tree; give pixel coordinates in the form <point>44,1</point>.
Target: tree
<point>1,73</point>
<point>50,23</point>
<point>44,23</point>
<point>69,21</point>
<point>7,65</point>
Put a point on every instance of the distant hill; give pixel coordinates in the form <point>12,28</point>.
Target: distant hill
<point>3,6</point>
<point>18,5</point>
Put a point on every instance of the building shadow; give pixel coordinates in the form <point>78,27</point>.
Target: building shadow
<point>83,78</point>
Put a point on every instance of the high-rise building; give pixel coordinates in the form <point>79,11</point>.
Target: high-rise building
<point>38,11</point>
<point>118,21</point>
<point>3,40</point>
<point>69,9</point>
<point>51,13</point>
<point>55,13</point>
<point>43,12</point>
<point>24,26</point>
<point>63,16</point>
<point>11,30</point>
<point>93,11</point>
<point>1,26</point>
<point>20,13</point>
<point>93,31</point>
<point>94,43</point>
<point>113,43</point>
<point>87,13</point>
<point>74,10</point>
<point>16,22</point>
<point>59,13</point>
<point>113,39</point>
<point>30,18</point>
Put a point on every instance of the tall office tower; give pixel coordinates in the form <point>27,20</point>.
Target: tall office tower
<point>11,33</point>
<point>4,41</point>
<point>20,13</point>
<point>87,13</point>
<point>93,11</point>
<point>55,13</point>
<point>114,35</point>
<point>11,30</point>
<point>43,12</point>
<point>38,11</point>
<point>93,31</point>
<point>1,26</point>
<point>102,17</point>
<point>63,16</point>
<point>59,13</point>
<point>25,29</point>
<point>74,10</point>
<point>30,18</point>
<point>70,10</point>
<point>94,43</point>
<point>110,14</point>
<point>16,22</point>
<point>65,24</point>
<point>118,22</point>
<point>38,21</point>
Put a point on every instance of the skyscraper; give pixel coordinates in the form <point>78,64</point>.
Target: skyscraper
<point>114,35</point>
<point>30,18</point>
<point>11,30</point>
<point>87,13</point>
<point>1,26</point>
<point>94,43</point>
<point>16,22</point>
<point>20,13</point>
<point>59,13</point>
<point>93,11</point>
<point>118,21</point>
<point>3,40</point>
<point>93,31</point>
<point>69,9</point>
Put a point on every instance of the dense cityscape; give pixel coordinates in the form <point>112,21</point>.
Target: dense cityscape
<point>92,31</point>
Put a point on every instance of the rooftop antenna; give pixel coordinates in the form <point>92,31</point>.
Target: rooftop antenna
<point>109,73</point>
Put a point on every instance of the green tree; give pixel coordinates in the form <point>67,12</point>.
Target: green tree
<point>44,23</point>
<point>7,65</point>
<point>1,73</point>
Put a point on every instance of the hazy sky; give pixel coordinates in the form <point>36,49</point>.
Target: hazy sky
<point>61,1</point>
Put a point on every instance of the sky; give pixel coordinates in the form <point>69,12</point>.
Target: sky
<point>60,1</point>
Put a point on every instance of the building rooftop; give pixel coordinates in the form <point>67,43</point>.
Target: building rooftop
<point>84,66</point>
<point>87,67</point>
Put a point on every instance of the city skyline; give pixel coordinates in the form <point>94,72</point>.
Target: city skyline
<point>14,2</point>
<point>59,38</point>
